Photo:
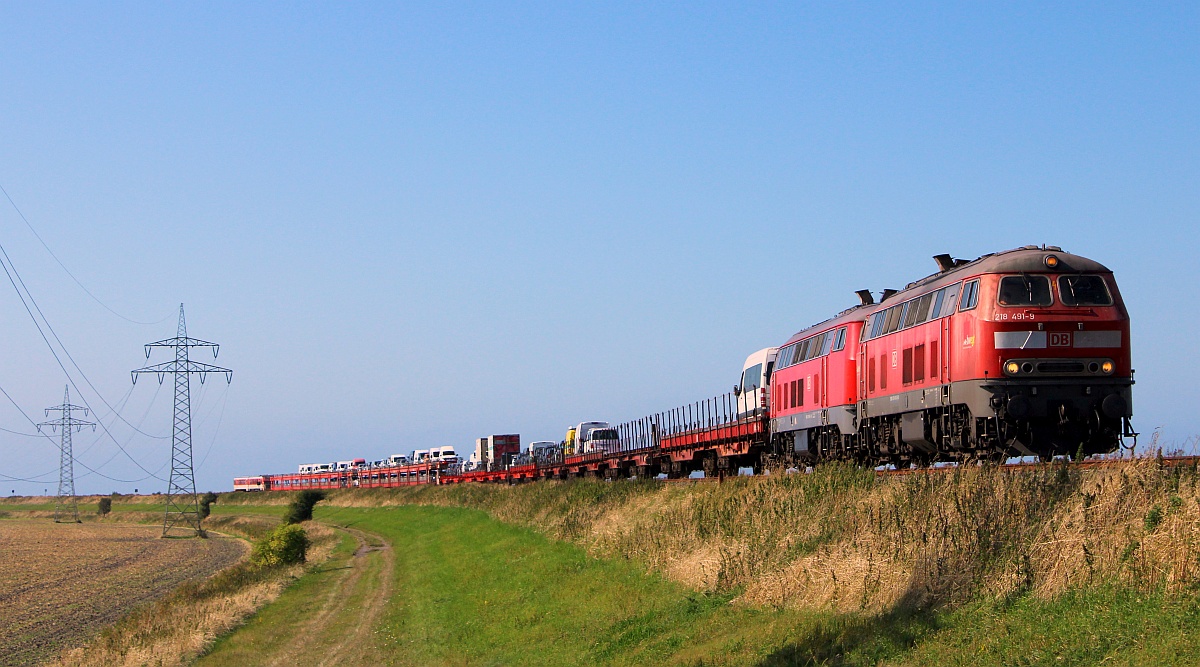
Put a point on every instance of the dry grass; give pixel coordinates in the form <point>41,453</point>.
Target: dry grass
<point>844,539</point>
<point>60,582</point>
<point>178,628</point>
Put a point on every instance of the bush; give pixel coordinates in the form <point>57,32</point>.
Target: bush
<point>285,545</point>
<point>105,506</point>
<point>302,506</point>
<point>206,500</point>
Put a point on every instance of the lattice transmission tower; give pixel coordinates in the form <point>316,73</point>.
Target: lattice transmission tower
<point>65,506</point>
<point>183,507</point>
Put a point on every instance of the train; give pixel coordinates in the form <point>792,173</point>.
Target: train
<point>1024,352</point>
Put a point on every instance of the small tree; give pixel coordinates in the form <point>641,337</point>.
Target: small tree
<point>206,500</point>
<point>284,545</point>
<point>301,508</point>
<point>105,506</point>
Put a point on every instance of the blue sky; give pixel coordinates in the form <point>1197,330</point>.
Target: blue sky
<point>416,225</point>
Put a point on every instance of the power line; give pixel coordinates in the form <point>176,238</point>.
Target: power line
<point>216,429</point>
<point>7,264</point>
<point>81,463</point>
<point>64,266</point>
<point>59,341</point>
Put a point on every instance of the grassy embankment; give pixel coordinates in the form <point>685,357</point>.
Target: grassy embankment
<point>978,566</point>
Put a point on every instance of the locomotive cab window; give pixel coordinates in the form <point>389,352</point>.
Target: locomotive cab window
<point>1025,290</point>
<point>970,295</point>
<point>840,341</point>
<point>949,302</point>
<point>1083,291</point>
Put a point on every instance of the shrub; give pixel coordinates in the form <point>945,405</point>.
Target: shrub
<point>105,506</point>
<point>301,508</point>
<point>206,500</point>
<point>285,545</point>
<point>1153,518</point>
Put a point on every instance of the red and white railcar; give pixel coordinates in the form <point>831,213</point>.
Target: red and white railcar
<point>256,483</point>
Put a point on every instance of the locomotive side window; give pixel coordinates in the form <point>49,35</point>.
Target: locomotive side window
<point>923,308</point>
<point>970,295</point>
<point>871,328</point>
<point>818,346</point>
<point>1083,291</point>
<point>828,343</point>
<point>1024,290</point>
<point>893,319</point>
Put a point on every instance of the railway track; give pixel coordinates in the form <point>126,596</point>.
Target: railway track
<point>1167,461</point>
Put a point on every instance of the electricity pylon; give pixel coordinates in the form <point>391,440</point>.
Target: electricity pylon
<point>182,504</point>
<point>65,503</point>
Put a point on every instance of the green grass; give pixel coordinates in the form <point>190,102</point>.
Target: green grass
<point>471,590</point>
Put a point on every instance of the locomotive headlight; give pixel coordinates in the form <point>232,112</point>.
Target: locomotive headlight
<point>1012,368</point>
<point>1107,367</point>
<point>1051,261</point>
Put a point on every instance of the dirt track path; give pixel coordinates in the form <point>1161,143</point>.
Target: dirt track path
<point>328,623</point>
<point>348,611</point>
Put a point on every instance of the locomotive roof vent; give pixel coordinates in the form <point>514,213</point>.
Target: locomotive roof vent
<point>944,262</point>
<point>886,294</point>
<point>864,295</point>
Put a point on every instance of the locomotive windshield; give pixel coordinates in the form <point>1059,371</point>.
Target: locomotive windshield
<point>1083,291</point>
<point>1025,291</point>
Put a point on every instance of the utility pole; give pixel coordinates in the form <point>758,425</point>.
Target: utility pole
<point>64,504</point>
<point>183,507</point>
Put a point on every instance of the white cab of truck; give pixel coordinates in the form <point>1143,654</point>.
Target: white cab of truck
<point>751,389</point>
<point>595,437</point>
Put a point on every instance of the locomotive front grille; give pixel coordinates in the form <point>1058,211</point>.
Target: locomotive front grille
<point>1019,368</point>
<point>1060,367</point>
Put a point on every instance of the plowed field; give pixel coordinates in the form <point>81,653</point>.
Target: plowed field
<point>61,583</point>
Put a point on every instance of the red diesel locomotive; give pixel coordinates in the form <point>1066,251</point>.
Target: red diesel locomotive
<point>1024,352</point>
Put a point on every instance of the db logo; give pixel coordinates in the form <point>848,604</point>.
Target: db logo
<point>1060,339</point>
